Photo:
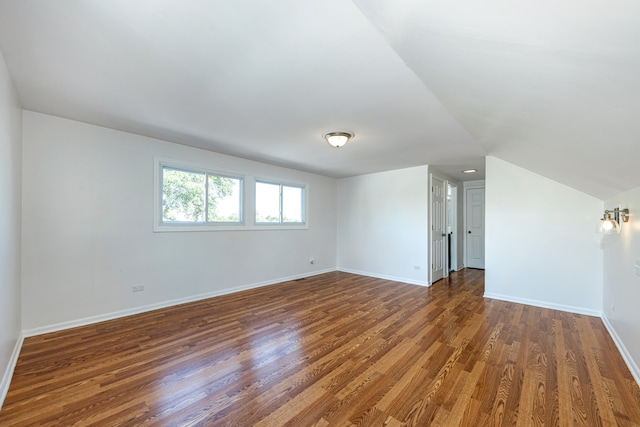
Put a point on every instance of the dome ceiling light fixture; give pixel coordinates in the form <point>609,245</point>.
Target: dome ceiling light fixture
<point>339,138</point>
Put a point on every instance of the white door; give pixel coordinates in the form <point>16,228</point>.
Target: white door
<point>475,227</point>
<point>452,227</point>
<point>437,229</point>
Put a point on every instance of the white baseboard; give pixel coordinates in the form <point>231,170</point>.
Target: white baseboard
<point>382,276</point>
<point>631,364</point>
<point>545,304</point>
<point>8,373</point>
<point>137,310</point>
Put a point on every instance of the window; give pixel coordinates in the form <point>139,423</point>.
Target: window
<point>196,197</point>
<point>279,203</point>
<point>200,197</point>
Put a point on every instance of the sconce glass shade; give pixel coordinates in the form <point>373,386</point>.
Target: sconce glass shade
<point>338,139</point>
<point>608,225</point>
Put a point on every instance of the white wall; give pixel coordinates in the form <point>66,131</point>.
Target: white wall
<point>10,227</point>
<point>622,281</point>
<point>382,225</point>
<point>541,246</point>
<point>88,228</point>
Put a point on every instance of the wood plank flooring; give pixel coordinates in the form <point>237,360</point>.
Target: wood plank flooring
<point>331,350</point>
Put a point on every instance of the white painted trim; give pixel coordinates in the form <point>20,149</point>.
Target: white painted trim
<point>8,373</point>
<point>453,205</point>
<point>473,185</point>
<point>247,196</point>
<point>545,304</point>
<point>158,226</point>
<point>381,276</point>
<point>631,364</point>
<point>430,234</point>
<point>137,310</point>
<point>478,183</point>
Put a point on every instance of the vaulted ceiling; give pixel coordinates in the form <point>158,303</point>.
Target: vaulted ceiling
<point>551,86</point>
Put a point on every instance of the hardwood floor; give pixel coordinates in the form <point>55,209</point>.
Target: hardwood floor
<point>332,350</point>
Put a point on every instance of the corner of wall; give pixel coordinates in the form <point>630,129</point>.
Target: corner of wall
<point>10,227</point>
<point>621,281</point>
<point>626,355</point>
<point>8,373</point>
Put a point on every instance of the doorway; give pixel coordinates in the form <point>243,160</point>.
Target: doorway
<point>474,225</point>
<point>438,230</point>
<point>452,228</point>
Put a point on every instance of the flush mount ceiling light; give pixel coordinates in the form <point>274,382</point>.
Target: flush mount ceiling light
<point>470,171</point>
<point>338,139</point>
<point>609,225</point>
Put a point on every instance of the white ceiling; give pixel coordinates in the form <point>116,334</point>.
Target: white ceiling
<point>544,85</point>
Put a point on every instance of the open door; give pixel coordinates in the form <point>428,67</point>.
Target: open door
<point>438,231</point>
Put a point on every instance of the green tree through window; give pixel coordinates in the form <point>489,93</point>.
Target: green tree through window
<point>191,196</point>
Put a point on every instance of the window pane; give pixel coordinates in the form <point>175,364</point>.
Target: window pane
<point>267,202</point>
<point>292,204</point>
<point>182,196</point>
<point>224,199</point>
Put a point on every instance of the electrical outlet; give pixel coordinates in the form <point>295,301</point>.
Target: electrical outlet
<point>137,288</point>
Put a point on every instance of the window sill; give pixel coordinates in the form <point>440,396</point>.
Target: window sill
<point>205,228</point>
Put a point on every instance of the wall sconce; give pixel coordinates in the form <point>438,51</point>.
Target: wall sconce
<point>338,139</point>
<point>609,225</point>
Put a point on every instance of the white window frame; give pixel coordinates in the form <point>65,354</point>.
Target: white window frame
<point>159,225</point>
<point>248,209</point>
<point>283,225</point>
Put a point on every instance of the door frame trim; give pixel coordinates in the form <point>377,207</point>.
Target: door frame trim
<point>473,185</point>
<point>445,182</point>
<point>454,226</point>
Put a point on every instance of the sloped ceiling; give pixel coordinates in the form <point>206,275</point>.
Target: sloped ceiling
<point>552,87</point>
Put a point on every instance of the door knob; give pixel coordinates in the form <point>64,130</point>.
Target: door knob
<point>469,231</point>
